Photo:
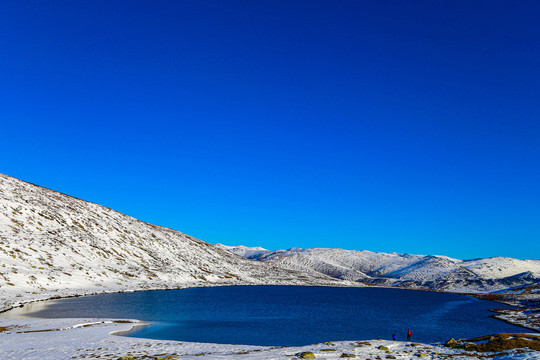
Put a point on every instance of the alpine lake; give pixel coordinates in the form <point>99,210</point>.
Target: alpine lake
<point>288,315</point>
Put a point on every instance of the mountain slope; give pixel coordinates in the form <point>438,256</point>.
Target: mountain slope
<point>404,270</point>
<point>52,244</point>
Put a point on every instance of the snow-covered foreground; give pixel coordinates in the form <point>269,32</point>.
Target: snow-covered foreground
<point>93,338</point>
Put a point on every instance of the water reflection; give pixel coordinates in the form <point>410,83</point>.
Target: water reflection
<point>26,311</point>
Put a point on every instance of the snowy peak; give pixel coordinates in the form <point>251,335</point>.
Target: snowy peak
<point>248,252</point>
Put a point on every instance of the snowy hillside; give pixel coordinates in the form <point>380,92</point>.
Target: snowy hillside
<point>415,271</point>
<point>53,245</point>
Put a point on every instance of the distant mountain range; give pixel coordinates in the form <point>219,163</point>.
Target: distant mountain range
<point>433,272</point>
<point>52,244</point>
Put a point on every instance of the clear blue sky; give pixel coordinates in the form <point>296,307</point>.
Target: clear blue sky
<point>406,126</point>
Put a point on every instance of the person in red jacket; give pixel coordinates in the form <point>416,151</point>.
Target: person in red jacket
<point>409,335</point>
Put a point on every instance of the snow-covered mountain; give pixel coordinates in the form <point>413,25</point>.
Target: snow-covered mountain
<point>404,270</point>
<point>53,245</point>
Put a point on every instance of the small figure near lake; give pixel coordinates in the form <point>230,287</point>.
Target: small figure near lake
<point>393,337</point>
<point>409,335</point>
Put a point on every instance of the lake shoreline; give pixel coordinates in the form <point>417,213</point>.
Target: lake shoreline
<point>110,344</point>
<point>502,314</point>
<point>522,314</point>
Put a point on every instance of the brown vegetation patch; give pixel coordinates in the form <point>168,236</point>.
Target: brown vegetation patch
<point>501,342</point>
<point>362,343</point>
<point>471,355</point>
<point>36,331</point>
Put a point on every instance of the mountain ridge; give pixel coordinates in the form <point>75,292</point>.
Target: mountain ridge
<point>56,245</point>
<point>433,272</point>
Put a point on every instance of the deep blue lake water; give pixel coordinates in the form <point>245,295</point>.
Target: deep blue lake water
<point>290,315</point>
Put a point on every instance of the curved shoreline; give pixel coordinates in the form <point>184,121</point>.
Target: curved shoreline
<point>500,312</point>
<point>139,324</point>
<point>519,310</point>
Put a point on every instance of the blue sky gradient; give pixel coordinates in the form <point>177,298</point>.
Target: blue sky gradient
<point>406,126</point>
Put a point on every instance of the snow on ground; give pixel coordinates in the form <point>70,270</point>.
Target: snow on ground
<point>91,338</point>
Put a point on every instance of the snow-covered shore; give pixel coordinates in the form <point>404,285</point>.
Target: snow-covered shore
<point>94,338</point>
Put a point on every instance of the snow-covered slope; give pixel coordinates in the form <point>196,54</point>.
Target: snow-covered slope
<point>52,245</point>
<point>248,252</point>
<point>416,271</point>
<point>501,267</point>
